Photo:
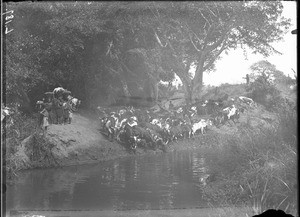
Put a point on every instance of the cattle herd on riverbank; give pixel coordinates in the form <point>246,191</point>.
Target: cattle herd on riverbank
<point>149,129</point>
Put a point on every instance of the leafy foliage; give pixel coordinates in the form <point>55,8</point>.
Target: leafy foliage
<point>264,89</point>
<point>90,47</point>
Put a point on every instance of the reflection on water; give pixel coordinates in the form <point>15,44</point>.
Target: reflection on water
<point>164,181</point>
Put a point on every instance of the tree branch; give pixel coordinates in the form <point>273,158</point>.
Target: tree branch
<point>213,59</point>
<point>216,44</point>
<point>204,17</point>
<point>207,37</point>
<point>189,28</point>
<point>210,10</point>
<point>159,41</point>
<point>194,44</point>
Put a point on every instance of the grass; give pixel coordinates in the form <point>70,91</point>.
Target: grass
<point>264,169</point>
<point>17,128</point>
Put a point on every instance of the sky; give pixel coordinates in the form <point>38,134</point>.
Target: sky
<point>233,67</point>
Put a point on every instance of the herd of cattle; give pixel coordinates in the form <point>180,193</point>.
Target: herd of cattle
<point>146,128</point>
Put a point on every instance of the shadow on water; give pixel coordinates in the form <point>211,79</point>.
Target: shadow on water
<point>158,181</point>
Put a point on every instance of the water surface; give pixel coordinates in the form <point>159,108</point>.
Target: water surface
<point>161,181</point>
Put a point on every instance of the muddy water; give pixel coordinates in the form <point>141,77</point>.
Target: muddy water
<point>161,181</point>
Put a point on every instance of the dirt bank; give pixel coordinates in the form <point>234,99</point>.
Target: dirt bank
<point>81,142</point>
<point>72,144</point>
<point>62,145</point>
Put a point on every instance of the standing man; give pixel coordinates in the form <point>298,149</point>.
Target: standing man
<point>247,79</point>
<point>171,106</point>
<point>45,124</point>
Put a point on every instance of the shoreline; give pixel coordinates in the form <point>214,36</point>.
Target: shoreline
<point>82,143</point>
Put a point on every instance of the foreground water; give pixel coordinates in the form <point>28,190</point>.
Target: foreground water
<point>161,181</point>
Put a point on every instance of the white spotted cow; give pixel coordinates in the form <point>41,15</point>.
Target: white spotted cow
<point>247,100</point>
<point>201,125</point>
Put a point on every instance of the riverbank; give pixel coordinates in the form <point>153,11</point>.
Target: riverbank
<point>64,145</point>
<point>82,143</point>
<point>261,162</point>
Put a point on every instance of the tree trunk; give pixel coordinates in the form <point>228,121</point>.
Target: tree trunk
<point>197,87</point>
<point>188,93</point>
<point>198,79</point>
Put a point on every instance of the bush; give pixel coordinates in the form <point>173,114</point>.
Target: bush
<point>17,127</point>
<point>265,93</point>
<point>266,177</point>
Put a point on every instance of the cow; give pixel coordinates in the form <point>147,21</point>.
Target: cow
<point>218,118</point>
<point>176,131</point>
<point>110,125</point>
<point>40,105</point>
<point>154,139</point>
<point>201,125</point>
<point>231,113</point>
<point>74,102</point>
<point>128,135</point>
<point>246,100</point>
<point>186,129</point>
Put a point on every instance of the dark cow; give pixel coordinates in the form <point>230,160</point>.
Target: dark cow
<point>128,134</point>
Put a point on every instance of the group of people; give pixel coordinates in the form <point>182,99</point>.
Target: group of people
<point>57,107</point>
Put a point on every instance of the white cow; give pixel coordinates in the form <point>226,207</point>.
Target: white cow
<point>247,100</point>
<point>201,125</point>
<point>157,122</point>
<point>231,112</point>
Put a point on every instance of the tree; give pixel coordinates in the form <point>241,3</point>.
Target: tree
<point>263,88</point>
<point>88,47</point>
<point>199,32</point>
<point>264,68</point>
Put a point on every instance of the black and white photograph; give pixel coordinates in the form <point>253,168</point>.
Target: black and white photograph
<point>149,108</point>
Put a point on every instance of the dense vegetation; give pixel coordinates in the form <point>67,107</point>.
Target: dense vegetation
<point>110,50</point>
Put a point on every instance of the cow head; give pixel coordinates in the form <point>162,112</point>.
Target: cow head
<point>74,103</point>
<point>209,122</point>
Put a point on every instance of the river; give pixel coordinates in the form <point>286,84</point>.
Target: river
<point>171,180</point>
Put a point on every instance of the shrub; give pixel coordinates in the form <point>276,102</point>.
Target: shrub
<point>17,127</point>
<point>266,177</point>
<point>262,91</point>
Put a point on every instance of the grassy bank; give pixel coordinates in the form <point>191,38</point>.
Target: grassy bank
<point>16,128</point>
<point>263,164</point>
<point>255,164</point>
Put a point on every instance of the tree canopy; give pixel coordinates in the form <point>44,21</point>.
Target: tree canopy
<point>102,51</point>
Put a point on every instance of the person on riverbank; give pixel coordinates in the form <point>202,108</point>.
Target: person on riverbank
<point>45,114</point>
<point>67,113</point>
<point>247,79</point>
<point>171,105</point>
<point>60,110</point>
